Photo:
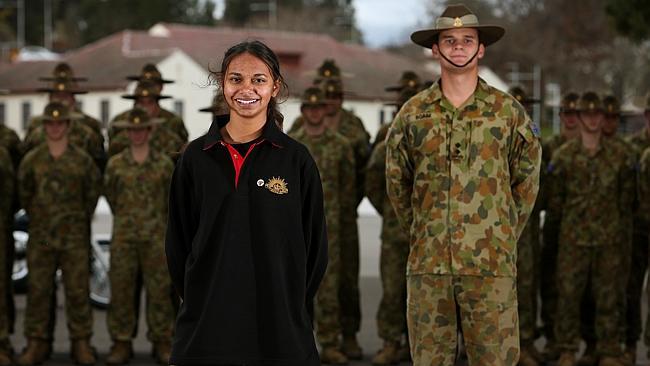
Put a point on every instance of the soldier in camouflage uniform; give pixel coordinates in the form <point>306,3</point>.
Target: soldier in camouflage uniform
<point>6,204</point>
<point>335,161</point>
<point>58,185</point>
<point>162,138</point>
<point>528,250</point>
<point>152,77</point>
<point>351,127</point>
<point>588,176</point>
<point>79,134</point>
<point>462,171</point>
<point>391,315</point>
<point>136,187</point>
<point>612,110</point>
<point>569,129</point>
<point>638,142</point>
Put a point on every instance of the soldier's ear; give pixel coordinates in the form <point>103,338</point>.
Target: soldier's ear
<point>435,51</point>
<point>481,51</point>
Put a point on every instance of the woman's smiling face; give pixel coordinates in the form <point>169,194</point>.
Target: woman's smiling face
<point>248,86</point>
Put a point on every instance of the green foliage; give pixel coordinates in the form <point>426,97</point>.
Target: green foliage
<point>630,18</point>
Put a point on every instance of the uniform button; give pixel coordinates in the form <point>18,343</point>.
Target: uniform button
<point>458,144</point>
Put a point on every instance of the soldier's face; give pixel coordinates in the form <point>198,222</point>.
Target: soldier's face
<point>139,136</point>
<point>591,121</point>
<point>248,87</point>
<point>66,99</point>
<point>149,104</point>
<point>458,46</point>
<point>56,130</point>
<point>314,114</point>
<point>570,120</point>
<point>333,105</point>
<point>610,125</point>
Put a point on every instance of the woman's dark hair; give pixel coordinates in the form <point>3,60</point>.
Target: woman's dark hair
<point>266,55</point>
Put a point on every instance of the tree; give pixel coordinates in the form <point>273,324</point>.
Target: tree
<point>630,18</point>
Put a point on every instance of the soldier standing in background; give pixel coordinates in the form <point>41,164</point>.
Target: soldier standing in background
<point>146,96</point>
<point>6,206</point>
<point>351,127</point>
<point>462,171</point>
<point>639,142</point>
<point>63,91</point>
<point>528,251</point>
<point>569,129</point>
<point>335,161</point>
<point>136,185</point>
<point>59,185</point>
<point>588,176</point>
<point>150,75</point>
<point>391,315</point>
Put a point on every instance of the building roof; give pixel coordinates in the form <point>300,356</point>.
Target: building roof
<point>108,61</point>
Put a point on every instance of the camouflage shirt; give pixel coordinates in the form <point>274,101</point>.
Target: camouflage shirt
<point>137,193</point>
<point>79,135</point>
<point>94,125</point>
<point>335,161</point>
<point>162,139</point>
<point>463,181</point>
<point>59,194</point>
<point>6,184</point>
<point>585,186</point>
<point>391,230</point>
<point>172,122</point>
<point>639,142</point>
<point>10,141</point>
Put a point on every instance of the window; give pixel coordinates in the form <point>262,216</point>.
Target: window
<point>26,109</point>
<point>178,108</point>
<point>105,111</point>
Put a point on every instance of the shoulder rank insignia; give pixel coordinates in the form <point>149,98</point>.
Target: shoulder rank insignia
<point>277,186</point>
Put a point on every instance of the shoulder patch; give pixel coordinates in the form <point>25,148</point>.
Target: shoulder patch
<point>535,129</point>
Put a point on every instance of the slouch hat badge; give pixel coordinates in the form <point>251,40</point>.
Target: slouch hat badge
<point>277,185</point>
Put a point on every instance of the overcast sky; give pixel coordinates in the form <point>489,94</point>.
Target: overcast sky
<point>383,22</point>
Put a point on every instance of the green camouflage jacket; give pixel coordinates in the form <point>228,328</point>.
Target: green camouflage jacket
<point>138,193</point>
<point>60,194</point>
<point>10,141</point>
<point>161,139</point>
<point>584,187</point>
<point>463,181</point>
<point>644,185</point>
<point>6,184</point>
<point>335,161</point>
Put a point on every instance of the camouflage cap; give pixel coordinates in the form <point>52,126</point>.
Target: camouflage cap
<point>313,96</point>
<point>332,88</point>
<point>145,89</point>
<point>151,73</point>
<point>569,102</point>
<point>455,17</point>
<point>62,71</point>
<point>518,93</point>
<point>64,86</point>
<point>137,118</point>
<point>590,102</point>
<point>611,105</point>
<point>327,70</point>
<point>219,106</point>
<point>409,79</point>
<point>404,95</point>
<point>57,111</point>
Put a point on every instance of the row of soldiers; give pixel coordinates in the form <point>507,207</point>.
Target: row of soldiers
<point>57,174</point>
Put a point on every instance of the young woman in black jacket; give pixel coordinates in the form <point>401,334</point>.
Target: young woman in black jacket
<point>246,243</point>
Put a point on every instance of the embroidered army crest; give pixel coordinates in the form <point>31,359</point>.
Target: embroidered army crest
<point>277,185</point>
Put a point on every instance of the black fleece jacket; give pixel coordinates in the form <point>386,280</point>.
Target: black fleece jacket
<point>246,250</point>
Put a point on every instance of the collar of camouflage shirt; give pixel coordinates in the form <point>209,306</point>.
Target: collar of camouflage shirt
<point>481,92</point>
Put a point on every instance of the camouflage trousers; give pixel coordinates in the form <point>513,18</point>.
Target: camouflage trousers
<point>486,308</point>
<point>128,257</point>
<point>527,283</point>
<point>391,315</point>
<point>638,268</point>
<point>349,280</point>
<point>576,267</point>
<point>548,280</point>
<point>71,254</point>
<point>327,306</point>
